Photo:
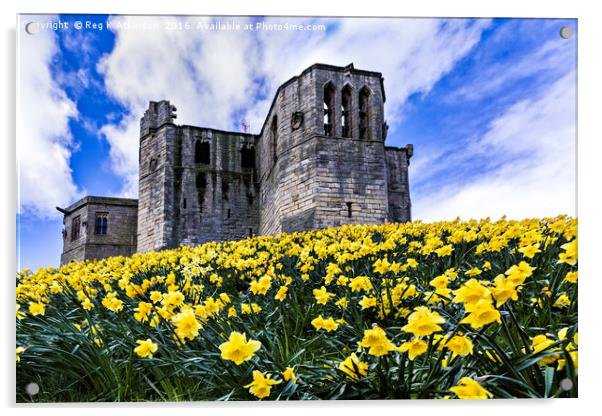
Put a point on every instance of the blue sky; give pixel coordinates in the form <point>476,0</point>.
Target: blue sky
<point>489,105</point>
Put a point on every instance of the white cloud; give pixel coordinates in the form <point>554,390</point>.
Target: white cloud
<point>212,77</point>
<point>535,140</point>
<point>44,141</point>
<point>123,138</point>
<point>207,75</point>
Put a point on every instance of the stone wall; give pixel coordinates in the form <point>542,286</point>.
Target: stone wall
<point>155,190</point>
<point>188,201</point>
<point>286,162</point>
<point>120,238</point>
<point>216,198</point>
<point>398,160</point>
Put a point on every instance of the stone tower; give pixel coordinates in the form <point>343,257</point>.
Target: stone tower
<point>156,176</point>
<point>196,184</point>
<point>323,161</point>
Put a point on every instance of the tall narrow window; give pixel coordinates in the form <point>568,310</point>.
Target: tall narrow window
<point>274,136</point>
<point>364,113</point>
<point>349,209</point>
<point>101,224</point>
<point>225,190</point>
<point>201,185</point>
<point>247,156</point>
<point>329,94</point>
<point>75,228</point>
<point>202,153</point>
<point>347,111</point>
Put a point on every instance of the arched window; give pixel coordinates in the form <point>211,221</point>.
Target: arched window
<point>364,113</point>
<point>274,137</point>
<point>202,152</point>
<point>347,111</point>
<point>101,223</point>
<point>247,156</point>
<point>329,94</point>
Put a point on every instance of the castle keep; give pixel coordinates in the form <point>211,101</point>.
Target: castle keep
<point>320,160</point>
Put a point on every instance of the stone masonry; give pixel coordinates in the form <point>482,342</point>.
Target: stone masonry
<point>98,227</point>
<point>320,160</point>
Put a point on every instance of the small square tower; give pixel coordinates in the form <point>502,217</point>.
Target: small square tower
<point>98,227</point>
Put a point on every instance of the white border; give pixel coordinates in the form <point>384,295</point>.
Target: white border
<point>589,116</point>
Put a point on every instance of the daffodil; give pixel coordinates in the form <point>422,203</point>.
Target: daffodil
<point>376,340</point>
<point>322,295</point>
<point>281,294</point>
<point>504,290</point>
<point>423,322</point>
<point>368,302</point>
<point>37,308</point>
<point>414,348</point>
<point>563,301</point>
<point>354,368</point>
<point>471,292</point>
<point>261,286</point>
<point>480,314</point>
<point>468,388</point>
<point>360,283</point>
<point>569,256</point>
<point>142,311</point>
<point>20,314</point>
<point>459,345</point>
<point>541,343</point>
<point>20,350</point>
<point>444,251</point>
<point>186,325</point>
<point>238,349</point>
<point>571,277</point>
<point>289,374</point>
<point>146,348</point>
<point>261,386</point>
<point>530,251</point>
<point>87,304</point>
<point>328,324</point>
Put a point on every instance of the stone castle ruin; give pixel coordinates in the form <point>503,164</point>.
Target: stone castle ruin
<point>319,161</point>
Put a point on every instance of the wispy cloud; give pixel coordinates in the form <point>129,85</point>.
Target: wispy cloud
<point>44,144</point>
<point>533,146</point>
<point>494,72</point>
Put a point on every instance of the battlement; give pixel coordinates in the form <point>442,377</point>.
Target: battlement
<point>157,114</point>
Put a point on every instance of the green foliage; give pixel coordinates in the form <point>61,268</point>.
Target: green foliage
<point>75,354</point>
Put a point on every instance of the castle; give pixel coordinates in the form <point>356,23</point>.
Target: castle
<point>320,160</point>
